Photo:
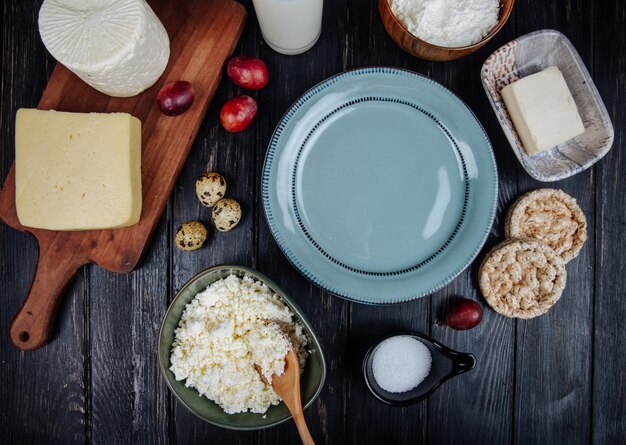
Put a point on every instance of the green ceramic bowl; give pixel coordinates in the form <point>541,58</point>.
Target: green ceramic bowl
<point>311,381</point>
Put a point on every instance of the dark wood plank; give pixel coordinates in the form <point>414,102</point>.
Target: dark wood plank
<point>553,359</point>
<point>368,420</point>
<point>608,424</point>
<point>328,315</point>
<point>42,393</point>
<point>479,403</point>
<point>232,155</point>
<point>125,312</point>
<point>557,379</point>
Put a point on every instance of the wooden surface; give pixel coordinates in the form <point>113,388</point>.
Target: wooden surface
<point>197,53</point>
<point>556,379</point>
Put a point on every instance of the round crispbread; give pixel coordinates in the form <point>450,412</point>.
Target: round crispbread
<point>550,216</point>
<point>522,278</point>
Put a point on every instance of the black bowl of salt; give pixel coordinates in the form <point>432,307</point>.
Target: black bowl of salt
<point>406,367</point>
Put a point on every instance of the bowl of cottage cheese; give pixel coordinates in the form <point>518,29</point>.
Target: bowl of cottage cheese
<point>222,322</point>
<point>443,30</point>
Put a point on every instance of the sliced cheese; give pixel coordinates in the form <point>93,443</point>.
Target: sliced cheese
<point>77,171</point>
<point>543,110</point>
<point>119,47</point>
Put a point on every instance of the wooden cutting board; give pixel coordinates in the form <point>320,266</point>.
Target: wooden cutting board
<point>203,34</point>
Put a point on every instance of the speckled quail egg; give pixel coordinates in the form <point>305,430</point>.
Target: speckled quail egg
<point>210,188</point>
<point>226,214</point>
<point>191,236</point>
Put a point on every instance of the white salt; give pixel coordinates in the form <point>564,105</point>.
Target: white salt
<point>401,363</point>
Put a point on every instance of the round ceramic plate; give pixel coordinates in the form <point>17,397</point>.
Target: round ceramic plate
<point>380,185</point>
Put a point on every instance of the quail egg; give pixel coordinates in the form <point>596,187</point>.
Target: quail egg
<point>210,188</point>
<point>226,214</point>
<point>190,236</point>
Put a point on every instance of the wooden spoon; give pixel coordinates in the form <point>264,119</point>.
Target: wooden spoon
<point>287,386</point>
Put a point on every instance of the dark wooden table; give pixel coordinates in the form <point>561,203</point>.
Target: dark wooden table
<point>556,379</point>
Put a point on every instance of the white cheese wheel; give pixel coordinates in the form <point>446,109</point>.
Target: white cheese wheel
<point>119,47</point>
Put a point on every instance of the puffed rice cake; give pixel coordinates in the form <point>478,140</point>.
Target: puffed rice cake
<point>550,216</point>
<point>522,278</point>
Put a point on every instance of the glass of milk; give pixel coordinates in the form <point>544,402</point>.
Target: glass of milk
<point>290,26</point>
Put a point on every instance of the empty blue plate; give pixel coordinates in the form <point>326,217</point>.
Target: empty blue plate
<point>380,185</point>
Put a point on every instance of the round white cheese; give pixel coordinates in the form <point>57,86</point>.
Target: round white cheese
<point>119,47</point>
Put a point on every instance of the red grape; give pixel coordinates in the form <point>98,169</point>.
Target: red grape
<point>175,98</point>
<point>238,113</point>
<point>464,314</point>
<point>248,72</point>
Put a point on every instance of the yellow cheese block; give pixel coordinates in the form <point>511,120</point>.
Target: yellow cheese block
<point>77,171</point>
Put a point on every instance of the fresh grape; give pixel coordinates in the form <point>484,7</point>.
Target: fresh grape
<point>464,314</point>
<point>238,113</point>
<point>175,98</point>
<point>248,72</point>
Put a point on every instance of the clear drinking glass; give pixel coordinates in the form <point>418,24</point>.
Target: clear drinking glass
<point>290,26</point>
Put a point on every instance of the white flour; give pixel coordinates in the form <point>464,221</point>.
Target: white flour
<point>450,23</point>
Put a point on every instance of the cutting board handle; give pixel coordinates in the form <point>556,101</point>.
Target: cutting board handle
<point>33,324</point>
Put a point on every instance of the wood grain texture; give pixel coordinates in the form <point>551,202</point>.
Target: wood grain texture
<point>47,384</point>
<point>480,402</point>
<point>369,45</point>
<point>329,316</point>
<point>557,379</point>
<point>232,155</point>
<point>553,360</point>
<point>608,421</point>
<point>197,53</point>
<point>124,368</point>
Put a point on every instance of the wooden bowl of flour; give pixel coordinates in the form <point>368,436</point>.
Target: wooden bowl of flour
<point>424,50</point>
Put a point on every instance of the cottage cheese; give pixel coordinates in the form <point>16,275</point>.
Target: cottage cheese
<point>449,23</point>
<point>223,332</point>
